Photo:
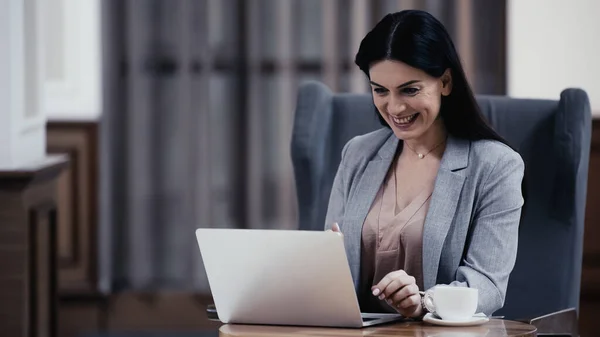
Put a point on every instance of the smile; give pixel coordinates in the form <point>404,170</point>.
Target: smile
<point>404,120</point>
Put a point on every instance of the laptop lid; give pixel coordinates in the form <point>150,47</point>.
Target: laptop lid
<point>279,277</point>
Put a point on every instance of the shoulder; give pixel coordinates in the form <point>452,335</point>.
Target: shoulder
<point>492,151</point>
<point>364,147</point>
<point>491,155</point>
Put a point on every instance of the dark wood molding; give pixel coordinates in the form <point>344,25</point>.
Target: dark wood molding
<point>70,261</point>
<point>591,260</point>
<point>35,173</point>
<point>43,300</point>
<point>595,146</point>
<point>28,304</point>
<point>78,203</point>
<point>590,273</point>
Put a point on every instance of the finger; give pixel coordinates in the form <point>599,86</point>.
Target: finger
<point>380,289</point>
<point>410,301</point>
<point>382,284</point>
<point>397,281</point>
<point>396,285</point>
<point>335,228</point>
<point>406,291</point>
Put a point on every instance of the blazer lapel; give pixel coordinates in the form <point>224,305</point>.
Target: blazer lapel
<point>361,200</point>
<point>444,200</point>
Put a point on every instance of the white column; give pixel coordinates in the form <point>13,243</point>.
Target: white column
<point>22,123</point>
<point>72,81</point>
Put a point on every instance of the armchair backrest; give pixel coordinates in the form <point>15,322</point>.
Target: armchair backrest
<point>553,137</point>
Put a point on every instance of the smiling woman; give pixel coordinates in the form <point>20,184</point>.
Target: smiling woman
<point>411,63</point>
<point>410,107</point>
<point>418,221</point>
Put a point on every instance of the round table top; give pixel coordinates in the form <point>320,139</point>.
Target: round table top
<point>493,328</point>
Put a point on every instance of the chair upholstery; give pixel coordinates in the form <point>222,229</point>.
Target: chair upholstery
<point>553,137</point>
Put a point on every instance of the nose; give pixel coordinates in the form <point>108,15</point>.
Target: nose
<point>396,106</point>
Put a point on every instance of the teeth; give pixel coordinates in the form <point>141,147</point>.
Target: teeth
<point>403,120</point>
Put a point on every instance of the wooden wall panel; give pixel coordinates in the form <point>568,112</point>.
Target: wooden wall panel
<point>592,216</point>
<point>590,275</point>
<point>590,283</point>
<point>28,301</point>
<point>77,204</point>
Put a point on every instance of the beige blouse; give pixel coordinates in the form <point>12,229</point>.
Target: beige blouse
<point>392,239</point>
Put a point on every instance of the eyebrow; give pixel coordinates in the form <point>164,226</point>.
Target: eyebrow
<point>400,86</point>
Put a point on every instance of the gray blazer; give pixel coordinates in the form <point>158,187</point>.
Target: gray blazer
<point>471,229</point>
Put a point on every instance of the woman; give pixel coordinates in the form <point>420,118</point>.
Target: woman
<point>435,196</point>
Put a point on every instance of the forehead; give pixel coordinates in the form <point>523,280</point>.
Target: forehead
<point>394,73</point>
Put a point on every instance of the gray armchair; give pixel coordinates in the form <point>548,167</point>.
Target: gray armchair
<point>553,138</point>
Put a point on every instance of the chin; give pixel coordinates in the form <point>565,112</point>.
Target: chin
<point>404,135</point>
<point>407,134</point>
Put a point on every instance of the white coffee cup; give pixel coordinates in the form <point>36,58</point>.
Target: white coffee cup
<point>455,303</point>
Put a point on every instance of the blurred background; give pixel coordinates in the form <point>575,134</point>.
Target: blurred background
<point>199,98</point>
<point>177,114</point>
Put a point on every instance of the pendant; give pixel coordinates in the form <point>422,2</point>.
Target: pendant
<point>421,156</point>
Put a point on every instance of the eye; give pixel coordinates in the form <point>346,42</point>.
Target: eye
<point>380,91</point>
<point>410,91</point>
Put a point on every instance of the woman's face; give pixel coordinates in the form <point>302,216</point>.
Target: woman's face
<point>408,98</point>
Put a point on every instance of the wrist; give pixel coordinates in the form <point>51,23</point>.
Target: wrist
<point>419,312</point>
<point>427,301</point>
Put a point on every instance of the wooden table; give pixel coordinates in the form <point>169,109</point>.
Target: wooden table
<point>494,328</point>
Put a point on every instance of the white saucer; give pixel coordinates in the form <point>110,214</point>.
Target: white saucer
<point>477,319</point>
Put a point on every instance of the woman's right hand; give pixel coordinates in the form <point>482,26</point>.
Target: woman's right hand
<point>335,228</point>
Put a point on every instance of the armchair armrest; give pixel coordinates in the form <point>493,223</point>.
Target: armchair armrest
<point>560,323</point>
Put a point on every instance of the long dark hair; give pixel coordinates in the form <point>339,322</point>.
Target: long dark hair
<point>419,40</point>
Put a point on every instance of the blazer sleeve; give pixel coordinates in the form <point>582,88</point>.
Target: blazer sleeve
<point>492,250</point>
<point>337,198</point>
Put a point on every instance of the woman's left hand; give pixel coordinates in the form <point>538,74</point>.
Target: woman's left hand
<point>401,292</point>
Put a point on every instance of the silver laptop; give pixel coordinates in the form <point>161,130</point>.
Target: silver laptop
<point>281,277</point>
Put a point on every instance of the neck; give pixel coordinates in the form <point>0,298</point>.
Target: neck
<point>429,140</point>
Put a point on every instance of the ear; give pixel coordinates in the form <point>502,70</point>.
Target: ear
<point>446,82</point>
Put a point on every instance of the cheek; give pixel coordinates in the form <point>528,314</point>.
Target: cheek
<point>380,104</point>
<point>427,105</point>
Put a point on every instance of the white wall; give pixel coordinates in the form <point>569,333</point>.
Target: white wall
<point>72,59</point>
<point>22,121</point>
<point>552,45</point>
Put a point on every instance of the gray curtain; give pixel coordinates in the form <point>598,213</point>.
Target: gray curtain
<point>153,144</point>
<point>198,103</point>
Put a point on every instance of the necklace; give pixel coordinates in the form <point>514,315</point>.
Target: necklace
<point>422,155</point>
